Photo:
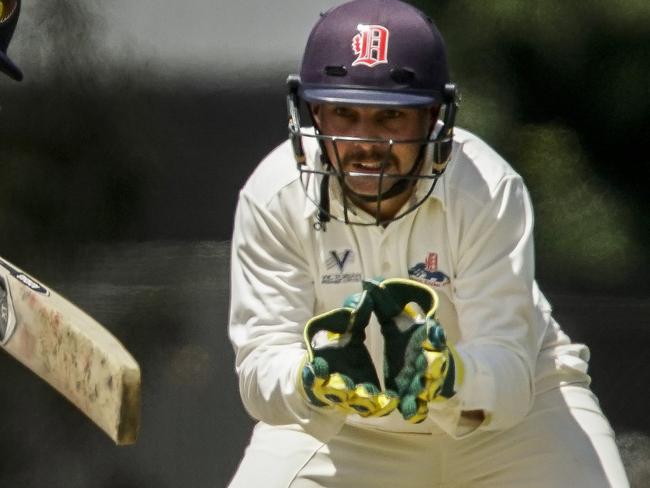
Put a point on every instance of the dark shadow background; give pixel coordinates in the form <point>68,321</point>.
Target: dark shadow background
<point>118,185</point>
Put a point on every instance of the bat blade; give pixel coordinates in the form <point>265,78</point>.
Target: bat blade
<point>71,351</point>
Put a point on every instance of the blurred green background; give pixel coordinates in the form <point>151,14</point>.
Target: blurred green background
<point>562,90</point>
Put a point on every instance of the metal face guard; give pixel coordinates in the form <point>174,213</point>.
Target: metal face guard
<point>440,145</point>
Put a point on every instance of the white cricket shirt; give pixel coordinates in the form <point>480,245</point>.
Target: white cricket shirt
<point>471,239</point>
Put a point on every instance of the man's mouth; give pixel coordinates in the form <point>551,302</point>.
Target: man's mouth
<point>366,167</point>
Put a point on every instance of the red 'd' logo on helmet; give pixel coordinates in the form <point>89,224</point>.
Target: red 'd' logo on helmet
<point>370,45</point>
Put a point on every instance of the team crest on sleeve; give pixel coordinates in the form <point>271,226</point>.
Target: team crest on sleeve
<point>370,45</point>
<point>337,262</point>
<point>427,272</point>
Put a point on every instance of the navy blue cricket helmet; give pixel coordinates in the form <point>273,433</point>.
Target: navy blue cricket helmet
<point>375,52</point>
<point>9,12</point>
<point>381,53</point>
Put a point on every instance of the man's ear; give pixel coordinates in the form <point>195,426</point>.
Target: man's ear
<point>315,110</point>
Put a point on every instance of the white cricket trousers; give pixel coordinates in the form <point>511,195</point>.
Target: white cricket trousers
<point>565,442</point>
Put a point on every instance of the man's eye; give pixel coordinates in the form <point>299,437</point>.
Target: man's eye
<point>391,114</point>
<point>343,112</point>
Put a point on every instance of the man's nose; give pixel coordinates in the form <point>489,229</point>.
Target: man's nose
<point>367,128</point>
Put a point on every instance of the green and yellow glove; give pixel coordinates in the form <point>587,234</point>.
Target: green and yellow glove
<point>338,371</point>
<point>419,363</point>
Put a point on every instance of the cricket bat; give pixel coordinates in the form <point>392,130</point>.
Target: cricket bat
<point>71,351</point>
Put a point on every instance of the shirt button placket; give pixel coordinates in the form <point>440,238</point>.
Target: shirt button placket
<point>384,252</point>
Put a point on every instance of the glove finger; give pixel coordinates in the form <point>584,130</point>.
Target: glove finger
<point>421,413</point>
<point>421,363</point>
<point>308,380</point>
<point>427,378</point>
<point>363,399</point>
<point>386,403</point>
<point>308,377</point>
<point>335,390</point>
<point>416,386</point>
<point>431,390</point>
<point>369,401</point>
<point>404,291</point>
<point>361,306</point>
<point>385,306</point>
<point>404,379</point>
<point>319,391</point>
<point>437,339</point>
<point>432,378</point>
<point>320,367</point>
<point>412,409</point>
<point>408,406</point>
<point>336,321</point>
<point>436,364</point>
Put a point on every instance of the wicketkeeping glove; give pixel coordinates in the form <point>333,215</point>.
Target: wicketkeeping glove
<point>338,371</point>
<point>419,365</point>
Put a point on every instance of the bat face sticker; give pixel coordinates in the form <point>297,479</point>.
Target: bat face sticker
<point>7,316</point>
<point>24,279</point>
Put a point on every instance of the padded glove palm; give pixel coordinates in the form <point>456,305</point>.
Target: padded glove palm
<point>420,365</point>
<point>338,370</point>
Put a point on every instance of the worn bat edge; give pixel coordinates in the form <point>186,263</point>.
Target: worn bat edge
<point>129,425</point>
<point>121,426</point>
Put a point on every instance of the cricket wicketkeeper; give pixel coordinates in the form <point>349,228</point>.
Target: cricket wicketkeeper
<point>387,325</point>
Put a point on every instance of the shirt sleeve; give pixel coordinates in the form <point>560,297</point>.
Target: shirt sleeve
<point>501,331</point>
<point>272,297</point>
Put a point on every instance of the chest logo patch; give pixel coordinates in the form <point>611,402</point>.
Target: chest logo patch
<point>337,262</point>
<point>427,272</point>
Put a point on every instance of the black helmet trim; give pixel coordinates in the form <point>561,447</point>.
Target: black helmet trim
<point>360,96</point>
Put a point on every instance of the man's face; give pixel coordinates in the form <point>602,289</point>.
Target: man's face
<point>363,161</point>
